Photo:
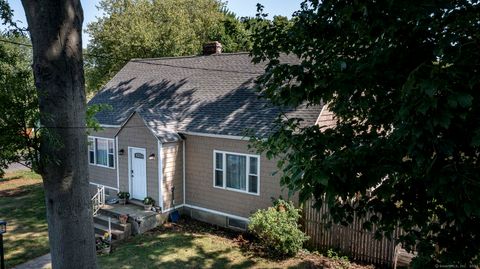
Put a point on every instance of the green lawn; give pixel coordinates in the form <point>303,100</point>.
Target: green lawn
<point>194,245</point>
<point>187,245</point>
<point>177,249</point>
<point>22,205</point>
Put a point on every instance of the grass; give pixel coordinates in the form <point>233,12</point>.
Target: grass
<point>177,249</point>
<point>190,244</point>
<point>22,205</point>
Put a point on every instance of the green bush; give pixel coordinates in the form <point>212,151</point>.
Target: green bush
<point>277,229</point>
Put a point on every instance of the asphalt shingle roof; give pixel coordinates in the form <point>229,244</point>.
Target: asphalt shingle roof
<point>206,94</point>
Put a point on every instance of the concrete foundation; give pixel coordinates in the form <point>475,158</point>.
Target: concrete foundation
<point>208,217</point>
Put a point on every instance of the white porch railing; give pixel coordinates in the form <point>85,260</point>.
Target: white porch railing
<point>98,200</point>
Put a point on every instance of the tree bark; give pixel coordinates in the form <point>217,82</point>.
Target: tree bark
<point>55,28</point>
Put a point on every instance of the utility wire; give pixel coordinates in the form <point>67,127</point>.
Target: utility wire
<point>86,53</point>
<point>150,62</point>
<point>15,43</point>
<point>85,127</point>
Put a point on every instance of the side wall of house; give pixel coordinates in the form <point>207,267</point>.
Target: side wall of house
<point>200,193</point>
<point>103,175</point>
<point>172,173</point>
<point>135,134</point>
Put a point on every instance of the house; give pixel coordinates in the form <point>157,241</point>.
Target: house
<point>176,132</point>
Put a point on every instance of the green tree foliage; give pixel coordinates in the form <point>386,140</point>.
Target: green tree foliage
<point>6,13</point>
<point>20,131</point>
<point>142,28</point>
<point>403,79</point>
<point>19,141</point>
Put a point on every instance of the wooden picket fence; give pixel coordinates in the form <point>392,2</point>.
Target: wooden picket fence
<point>359,244</point>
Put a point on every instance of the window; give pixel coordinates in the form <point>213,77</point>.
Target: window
<point>237,223</point>
<point>91,150</point>
<point>235,171</point>
<point>101,152</point>
<point>219,169</point>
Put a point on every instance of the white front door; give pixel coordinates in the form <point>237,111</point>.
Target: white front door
<point>138,173</point>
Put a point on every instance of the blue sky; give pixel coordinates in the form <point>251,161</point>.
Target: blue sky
<point>240,7</point>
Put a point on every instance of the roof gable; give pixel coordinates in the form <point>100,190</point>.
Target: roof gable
<point>135,120</point>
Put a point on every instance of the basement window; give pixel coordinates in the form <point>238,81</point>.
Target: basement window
<point>237,223</point>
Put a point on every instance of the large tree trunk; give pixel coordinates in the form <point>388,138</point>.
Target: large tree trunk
<point>55,28</point>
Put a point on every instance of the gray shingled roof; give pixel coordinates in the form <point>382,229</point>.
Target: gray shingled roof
<point>206,94</point>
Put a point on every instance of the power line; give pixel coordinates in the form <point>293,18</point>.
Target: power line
<point>15,43</point>
<point>86,53</point>
<point>84,127</point>
<point>151,61</point>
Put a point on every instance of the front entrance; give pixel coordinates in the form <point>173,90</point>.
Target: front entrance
<point>138,173</point>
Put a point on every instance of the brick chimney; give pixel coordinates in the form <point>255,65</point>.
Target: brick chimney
<point>210,48</point>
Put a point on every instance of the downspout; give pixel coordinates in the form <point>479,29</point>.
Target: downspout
<point>160,174</point>
<point>183,163</point>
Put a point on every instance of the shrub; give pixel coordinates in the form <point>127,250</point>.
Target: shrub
<point>277,229</point>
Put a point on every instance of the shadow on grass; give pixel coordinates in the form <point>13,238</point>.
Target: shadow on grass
<point>5,179</point>
<point>176,249</point>
<point>24,210</point>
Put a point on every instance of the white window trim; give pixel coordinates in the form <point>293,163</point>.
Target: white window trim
<point>95,152</point>
<point>224,163</point>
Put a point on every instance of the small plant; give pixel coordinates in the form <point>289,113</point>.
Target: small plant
<point>123,196</point>
<point>148,202</point>
<point>342,261</point>
<point>103,244</point>
<point>277,229</point>
<point>123,218</point>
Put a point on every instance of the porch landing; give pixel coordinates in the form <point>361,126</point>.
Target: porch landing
<point>140,219</point>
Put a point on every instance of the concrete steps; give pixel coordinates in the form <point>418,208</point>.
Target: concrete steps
<point>116,234</point>
<point>119,231</point>
<point>140,220</point>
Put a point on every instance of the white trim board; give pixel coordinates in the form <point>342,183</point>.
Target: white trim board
<point>217,212</point>
<point>109,126</point>
<point>233,137</point>
<point>101,185</point>
<point>320,115</point>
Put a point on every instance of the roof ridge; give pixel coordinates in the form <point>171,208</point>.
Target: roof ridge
<point>190,56</point>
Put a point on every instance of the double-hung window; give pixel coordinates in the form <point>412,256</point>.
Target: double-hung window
<point>236,171</point>
<point>101,152</point>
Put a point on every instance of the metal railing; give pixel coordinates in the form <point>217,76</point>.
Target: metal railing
<point>98,200</point>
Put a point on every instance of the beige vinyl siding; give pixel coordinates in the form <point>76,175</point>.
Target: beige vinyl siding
<point>172,173</point>
<point>135,134</point>
<point>199,178</point>
<point>103,175</point>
